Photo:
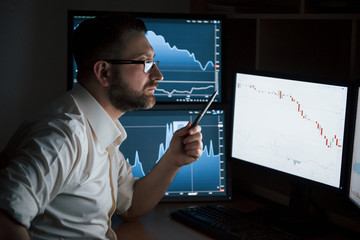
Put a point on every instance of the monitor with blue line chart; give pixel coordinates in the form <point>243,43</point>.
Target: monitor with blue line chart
<point>148,137</point>
<point>189,52</point>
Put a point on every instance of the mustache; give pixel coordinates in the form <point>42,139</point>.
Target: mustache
<point>151,85</point>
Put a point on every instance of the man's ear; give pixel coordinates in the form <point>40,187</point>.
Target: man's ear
<point>101,71</point>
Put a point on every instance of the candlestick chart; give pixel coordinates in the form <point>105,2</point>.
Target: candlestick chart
<point>293,126</point>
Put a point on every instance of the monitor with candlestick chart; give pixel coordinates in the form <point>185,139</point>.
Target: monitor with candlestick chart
<point>293,126</point>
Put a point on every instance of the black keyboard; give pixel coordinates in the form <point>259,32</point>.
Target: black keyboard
<point>226,223</point>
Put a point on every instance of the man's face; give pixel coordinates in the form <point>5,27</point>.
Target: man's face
<point>131,88</point>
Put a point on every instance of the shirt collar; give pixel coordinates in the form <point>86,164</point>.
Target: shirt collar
<point>106,130</point>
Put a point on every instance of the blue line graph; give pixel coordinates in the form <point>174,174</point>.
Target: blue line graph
<point>188,76</point>
<point>190,58</point>
<point>156,128</point>
<point>175,58</point>
<point>191,91</point>
<point>183,180</point>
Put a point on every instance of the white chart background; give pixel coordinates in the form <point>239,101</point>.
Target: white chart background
<point>278,124</point>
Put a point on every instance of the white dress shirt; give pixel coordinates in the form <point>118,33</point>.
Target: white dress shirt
<point>65,174</point>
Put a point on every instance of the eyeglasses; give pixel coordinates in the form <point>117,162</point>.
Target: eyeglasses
<point>148,64</point>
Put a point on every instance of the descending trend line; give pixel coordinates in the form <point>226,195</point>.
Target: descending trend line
<point>329,142</point>
<point>170,54</point>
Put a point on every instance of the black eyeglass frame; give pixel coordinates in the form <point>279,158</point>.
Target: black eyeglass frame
<point>145,62</point>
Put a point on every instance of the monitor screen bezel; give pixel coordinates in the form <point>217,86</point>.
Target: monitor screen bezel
<point>354,106</point>
<point>221,17</point>
<point>294,179</point>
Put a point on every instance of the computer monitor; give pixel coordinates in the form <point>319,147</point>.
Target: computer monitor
<point>295,127</point>
<point>148,137</point>
<point>188,47</point>
<point>354,183</point>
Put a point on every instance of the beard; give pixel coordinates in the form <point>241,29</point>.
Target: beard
<point>125,99</point>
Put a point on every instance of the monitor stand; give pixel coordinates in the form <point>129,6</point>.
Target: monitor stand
<point>299,199</point>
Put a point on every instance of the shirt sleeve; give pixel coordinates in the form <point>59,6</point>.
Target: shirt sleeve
<point>126,183</point>
<point>38,161</point>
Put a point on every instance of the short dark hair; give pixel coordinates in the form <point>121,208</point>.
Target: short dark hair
<point>96,38</point>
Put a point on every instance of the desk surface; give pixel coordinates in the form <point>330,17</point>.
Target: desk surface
<point>158,224</point>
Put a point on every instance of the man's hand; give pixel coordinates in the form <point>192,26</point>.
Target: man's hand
<point>186,145</point>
